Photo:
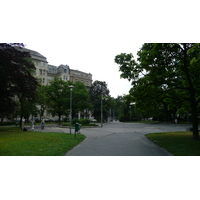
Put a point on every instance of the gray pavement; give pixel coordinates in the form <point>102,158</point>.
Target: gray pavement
<point>118,139</point>
<point>122,139</point>
<point>49,128</point>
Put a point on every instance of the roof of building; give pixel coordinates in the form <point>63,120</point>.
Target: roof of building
<point>53,66</point>
<point>64,66</point>
<point>76,70</point>
<point>35,55</point>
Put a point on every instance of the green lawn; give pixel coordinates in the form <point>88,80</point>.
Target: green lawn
<point>14,142</point>
<point>177,143</point>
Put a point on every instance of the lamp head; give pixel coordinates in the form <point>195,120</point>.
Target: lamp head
<point>71,87</point>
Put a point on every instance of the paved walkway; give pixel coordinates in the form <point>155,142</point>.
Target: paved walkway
<point>122,139</point>
<point>118,139</point>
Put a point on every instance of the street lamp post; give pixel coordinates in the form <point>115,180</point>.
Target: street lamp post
<point>131,104</point>
<point>71,89</point>
<point>101,110</point>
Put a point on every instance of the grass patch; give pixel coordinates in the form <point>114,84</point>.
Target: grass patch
<point>177,143</point>
<point>14,142</point>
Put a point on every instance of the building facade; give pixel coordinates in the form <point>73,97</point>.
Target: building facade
<point>47,73</point>
<point>62,72</point>
<point>41,65</point>
<point>85,78</point>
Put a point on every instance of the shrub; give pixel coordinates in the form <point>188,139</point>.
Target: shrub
<point>122,117</point>
<point>81,121</point>
<point>84,121</point>
<point>7,123</point>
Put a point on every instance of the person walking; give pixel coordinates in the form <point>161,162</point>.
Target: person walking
<point>32,124</point>
<point>42,123</point>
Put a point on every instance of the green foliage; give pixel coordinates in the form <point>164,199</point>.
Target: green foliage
<point>97,91</point>
<point>166,75</point>
<point>58,97</point>
<point>7,123</point>
<point>127,65</point>
<point>122,117</point>
<point>80,97</point>
<point>16,78</point>
<point>81,121</point>
<point>42,99</point>
<point>124,108</point>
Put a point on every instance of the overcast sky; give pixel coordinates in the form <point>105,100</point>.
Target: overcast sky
<point>88,34</point>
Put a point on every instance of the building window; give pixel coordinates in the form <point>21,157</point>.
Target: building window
<point>43,80</point>
<point>65,77</point>
<point>42,72</point>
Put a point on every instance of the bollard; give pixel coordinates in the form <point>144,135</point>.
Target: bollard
<point>77,128</point>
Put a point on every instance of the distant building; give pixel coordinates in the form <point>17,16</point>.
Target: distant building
<point>62,72</point>
<point>41,65</point>
<point>46,72</point>
<point>85,78</point>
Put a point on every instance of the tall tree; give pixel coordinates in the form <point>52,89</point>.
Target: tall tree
<point>99,93</point>
<point>16,76</point>
<point>169,71</point>
<point>58,96</point>
<point>80,98</point>
<point>42,100</point>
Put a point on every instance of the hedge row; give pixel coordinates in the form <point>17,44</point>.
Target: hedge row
<point>7,123</point>
<point>81,121</point>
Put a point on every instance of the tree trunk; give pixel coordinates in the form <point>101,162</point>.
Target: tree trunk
<point>195,122</point>
<point>192,93</point>
<point>2,119</point>
<point>59,116</point>
<point>21,113</point>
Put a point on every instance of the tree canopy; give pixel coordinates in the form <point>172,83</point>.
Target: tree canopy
<point>16,77</point>
<point>165,73</point>
<point>58,97</point>
<point>97,91</point>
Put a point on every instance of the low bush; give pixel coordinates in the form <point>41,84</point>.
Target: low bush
<point>81,121</point>
<point>122,117</point>
<point>7,123</point>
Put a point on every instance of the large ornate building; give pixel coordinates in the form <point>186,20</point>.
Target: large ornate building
<point>85,78</point>
<point>41,65</point>
<point>62,72</point>
<point>46,72</point>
